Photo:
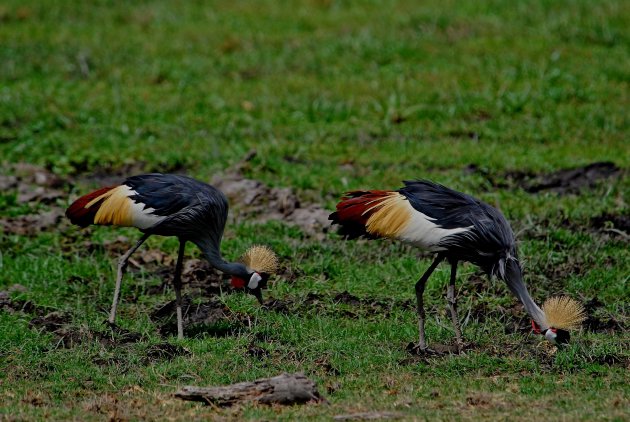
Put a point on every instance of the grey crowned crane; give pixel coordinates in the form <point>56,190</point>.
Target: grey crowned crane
<point>457,227</point>
<point>173,205</point>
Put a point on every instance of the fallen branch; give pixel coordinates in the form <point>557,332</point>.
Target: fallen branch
<point>282,389</point>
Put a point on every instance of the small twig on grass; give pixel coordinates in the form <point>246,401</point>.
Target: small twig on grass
<point>619,232</point>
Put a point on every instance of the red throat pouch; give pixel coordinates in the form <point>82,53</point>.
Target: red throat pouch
<point>238,283</point>
<point>535,327</point>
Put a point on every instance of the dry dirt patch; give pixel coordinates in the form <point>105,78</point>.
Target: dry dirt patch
<point>253,200</point>
<point>565,181</point>
<point>66,335</point>
<point>33,185</point>
<point>211,317</point>
<point>33,224</point>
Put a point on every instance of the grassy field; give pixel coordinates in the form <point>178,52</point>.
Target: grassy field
<point>495,98</point>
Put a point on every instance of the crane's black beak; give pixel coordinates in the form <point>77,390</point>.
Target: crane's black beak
<point>257,292</point>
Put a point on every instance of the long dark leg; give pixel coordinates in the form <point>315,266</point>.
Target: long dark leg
<point>177,283</point>
<point>452,304</point>
<point>122,266</point>
<point>422,343</point>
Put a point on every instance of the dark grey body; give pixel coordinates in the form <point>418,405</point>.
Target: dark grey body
<point>489,243</point>
<point>194,211</point>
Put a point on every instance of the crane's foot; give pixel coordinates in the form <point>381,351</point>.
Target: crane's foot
<point>420,350</point>
<point>111,325</point>
<point>463,346</point>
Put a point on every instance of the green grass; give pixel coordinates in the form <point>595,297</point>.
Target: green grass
<point>333,96</point>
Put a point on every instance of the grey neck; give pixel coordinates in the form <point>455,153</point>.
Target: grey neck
<point>213,255</point>
<point>513,276</point>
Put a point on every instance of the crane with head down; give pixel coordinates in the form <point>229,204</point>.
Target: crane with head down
<point>457,227</point>
<point>173,205</point>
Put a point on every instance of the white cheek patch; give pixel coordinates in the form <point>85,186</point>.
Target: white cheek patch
<point>551,336</point>
<point>254,280</point>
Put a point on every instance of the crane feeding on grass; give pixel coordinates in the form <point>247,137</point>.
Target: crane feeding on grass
<point>457,227</point>
<point>173,205</point>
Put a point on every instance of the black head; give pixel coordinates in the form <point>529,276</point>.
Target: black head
<point>557,336</point>
<point>256,288</point>
<point>256,282</point>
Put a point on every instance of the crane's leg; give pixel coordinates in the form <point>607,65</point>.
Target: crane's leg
<point>452,305</point>
<point>122,266</point>
<point>177,284</point>
<point>422,343</point>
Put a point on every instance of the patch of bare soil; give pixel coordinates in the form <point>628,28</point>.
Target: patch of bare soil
<point>566,181</point>
<point>51,322</point>
<point>26,306</point>
<point>106,175</point>
<point>113,174</point>
<point>67,336</point>
<point>207,318</point>
<point>253,200</point>
<point>573,180</point>
<point>60,325</point>
<point>33,224</point>
<point>199,278</point>
<point>33,185</point>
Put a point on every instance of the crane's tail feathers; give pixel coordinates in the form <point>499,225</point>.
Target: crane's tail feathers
<point>110,205</point>
<point>261,259</point>
<point>375,213</point>
<point>564,313</point>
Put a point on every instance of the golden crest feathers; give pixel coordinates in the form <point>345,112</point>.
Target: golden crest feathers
<point>261,259</point>
<point>563,312</point>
